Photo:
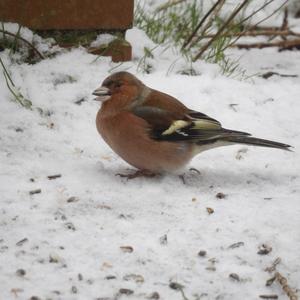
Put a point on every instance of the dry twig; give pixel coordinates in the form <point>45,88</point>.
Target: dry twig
<point>281,44</point>
<point>188,40</point>
<point>223,27</point>
<point>168,5</point>
<point>23,40</point>
<point>253,33</point>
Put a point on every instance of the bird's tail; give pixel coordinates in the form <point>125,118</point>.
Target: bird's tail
<point>256,142</point>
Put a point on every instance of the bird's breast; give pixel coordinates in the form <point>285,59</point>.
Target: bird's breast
<point>129,137</point>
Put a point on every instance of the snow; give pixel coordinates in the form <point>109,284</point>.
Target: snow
<point>165,221</point>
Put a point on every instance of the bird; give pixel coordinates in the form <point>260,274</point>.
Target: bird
<point>156,133</point>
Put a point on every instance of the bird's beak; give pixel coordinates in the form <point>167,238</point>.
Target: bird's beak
<point>102,93</point>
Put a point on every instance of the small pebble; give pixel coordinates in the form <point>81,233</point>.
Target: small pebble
<point>80,277</point>
<point>34,298</point>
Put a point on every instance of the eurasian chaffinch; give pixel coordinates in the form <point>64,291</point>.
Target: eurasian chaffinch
<point>155,132</point>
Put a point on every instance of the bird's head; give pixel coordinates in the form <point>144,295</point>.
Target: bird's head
<point>120,85</point>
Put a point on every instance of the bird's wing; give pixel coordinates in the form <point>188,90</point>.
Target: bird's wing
<point>189,126</point>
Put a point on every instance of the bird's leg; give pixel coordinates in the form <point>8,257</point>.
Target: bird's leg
<point>138,173</point>
<point>182,177</point>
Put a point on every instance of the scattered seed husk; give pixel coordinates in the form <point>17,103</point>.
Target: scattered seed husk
<point>37,191</point>
<point>268,296</point>
<point>56,292</point>
<point>234,277</point>
<point>20,272</point>
<point>74,289</point>
<point>221,195</point>
<point>104,206</point>
<point>110,277</point>
<point>80,277</point>
<point>211,268</point>
<point>273,266</point>
<point>154,295</point>
<point>70,226</point>
<point>21,242</point>
<point>72,199</point>
<point>54,258</point>
<point>15,291</point>
<point>236,245</point>
<point>78,102</point>
<point>163,240</point>
<point>270,281</point>
<point>135,277</point>
<point>126,292</point>
<point>51,177</point>
<point>202,253</point>
<point>127,249</point>
<point>264,249</point>
<point>106,265</point>
<point>176,286</point>
<point>210,210</point>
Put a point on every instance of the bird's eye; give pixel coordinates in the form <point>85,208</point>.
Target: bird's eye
<point>118,84</point>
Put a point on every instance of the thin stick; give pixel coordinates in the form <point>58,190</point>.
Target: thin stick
<point>4,36</point>
<point>232,16</point>
<point>258,33</point>
<point>188,40</point>
<point>269,16</point>
<point>23,40</point>
<point>254,13</point>
<point>208,24</point>
<point>6,72</point>
<point>168,5</point>
<point>282,44</point>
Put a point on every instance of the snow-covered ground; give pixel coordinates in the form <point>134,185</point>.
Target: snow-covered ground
<point>89,234</point>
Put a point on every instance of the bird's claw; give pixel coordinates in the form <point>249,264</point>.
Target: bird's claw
<point>138,173</point>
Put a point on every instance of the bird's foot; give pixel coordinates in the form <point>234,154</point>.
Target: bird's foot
<point>138,173</point>
<point>183,176</point>
<point>195,170</point>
